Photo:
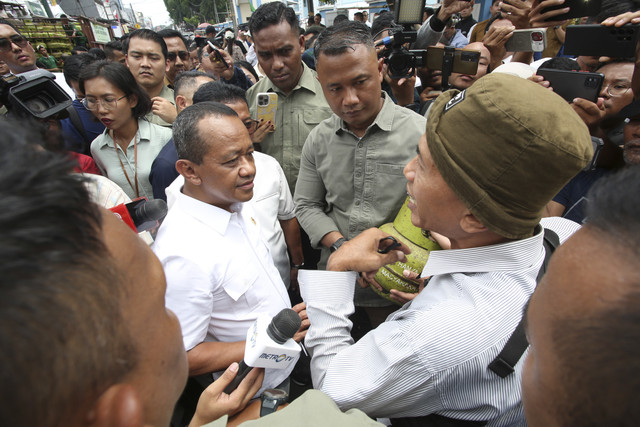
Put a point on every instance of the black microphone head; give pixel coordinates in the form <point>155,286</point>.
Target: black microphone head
<point>284,325</point>
<point>155,210</point>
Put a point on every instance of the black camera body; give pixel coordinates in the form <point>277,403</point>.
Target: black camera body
<point>400,61</point>
<point>34,94</point>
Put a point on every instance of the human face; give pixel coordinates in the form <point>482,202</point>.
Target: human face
<point>227,170</point>
<point>463,81</point>
<point>631,149</point>
<point>4,68</point>
<point>175,45</point>
<point>100,88</point>
<point>147,63</point>
<point>464,13</point>
<point>616,74</point>
<point>161,372</point>
<point>194,59</point>
<point>19,59</point>
<point>495,8</point>
<point>279,49</point>
<point>317,19</point>
<point>434,206</point>
<point>351,84</point>
<point>118,56</point>
<point>43,51</point>
<point>242,110</point>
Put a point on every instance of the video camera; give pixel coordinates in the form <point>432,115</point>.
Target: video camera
<point>34,94</point>
<point>402,63</point>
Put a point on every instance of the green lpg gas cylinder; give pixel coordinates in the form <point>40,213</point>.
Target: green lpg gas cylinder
<point>390,276</point>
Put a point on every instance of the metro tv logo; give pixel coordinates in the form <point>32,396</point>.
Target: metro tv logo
<point>276,357</point>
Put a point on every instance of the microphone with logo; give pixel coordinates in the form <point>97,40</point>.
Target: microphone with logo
<point>269,345</point>
<point>142,214</point>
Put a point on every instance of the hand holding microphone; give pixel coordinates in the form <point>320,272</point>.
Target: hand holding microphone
<point>269,345</point>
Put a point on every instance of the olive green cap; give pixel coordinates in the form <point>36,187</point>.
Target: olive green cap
<point>506,146</point>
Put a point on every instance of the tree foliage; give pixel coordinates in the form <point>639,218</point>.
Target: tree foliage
<point>200,10</point>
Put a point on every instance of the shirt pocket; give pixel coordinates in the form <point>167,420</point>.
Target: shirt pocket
<point>240,287</point>
<point>388,169</point>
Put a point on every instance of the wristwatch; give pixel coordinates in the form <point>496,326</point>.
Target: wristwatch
<point>271,399</point>
<point>336,245</point>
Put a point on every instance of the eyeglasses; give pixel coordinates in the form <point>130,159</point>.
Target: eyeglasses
<point>109,103</point>
<point>251,125</point>
<point>183,54</point>
<point>618,88</point>
<point>17,39</point>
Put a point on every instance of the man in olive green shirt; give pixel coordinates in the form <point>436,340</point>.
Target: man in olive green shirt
<point>301,104</point>
<point>351,166</point>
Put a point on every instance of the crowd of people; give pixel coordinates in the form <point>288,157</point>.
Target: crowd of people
<point>526,316</point>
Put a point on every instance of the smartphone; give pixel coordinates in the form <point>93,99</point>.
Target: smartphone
<point>464,61</point>
<point>217,56</point>
<point>529,40</point>
<point>598,40</point>
<point>574,84</point>
<point>267,106</point>
<point>577,9</point>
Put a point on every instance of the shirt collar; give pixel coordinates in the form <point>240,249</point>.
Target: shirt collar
<point>210,216</point>
<point>143,134</point>
<point>307,81</point>
<point>514,255</point>
<point>384,119</point>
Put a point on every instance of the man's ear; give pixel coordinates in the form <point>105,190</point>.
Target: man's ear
<point>380,68</point>
<point>181,102</point>
<point>189,171</point>
<point>167,65</point>
<point>119,405</point>
<point>301,42</point>
<point>470,224</point>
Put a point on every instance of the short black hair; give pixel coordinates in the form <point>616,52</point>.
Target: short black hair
<point>74,65</point>
<point>337,39</point>
<point>273,13</point>
<point>358,14</point>
<point>210,30</point>
<point>186,129</point>
<point>118,75</point>
<point>560,63</point>
<point>186,80</point>
<point>382,22</point>
<point>247,65</point>
<point>599,354</point>
<point>62,329</point>
<point>111,47</point>
<point>340,18</point>
<point>98,53</point>
<point>219,92</point>
<point>169,33</point>
<point>145,34</point>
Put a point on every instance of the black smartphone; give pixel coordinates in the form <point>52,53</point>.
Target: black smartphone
<point>577,9</point>
<point>217,55</point>
<point>573,84</point>
<point>598,40</point>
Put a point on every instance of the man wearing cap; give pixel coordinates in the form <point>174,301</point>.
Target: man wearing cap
<point>485,192</point>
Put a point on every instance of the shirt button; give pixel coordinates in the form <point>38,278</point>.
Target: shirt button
<point>357,202</point>
<point>359,144</point>
<point>358,174</point>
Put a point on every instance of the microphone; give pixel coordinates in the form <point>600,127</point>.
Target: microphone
<point>141,214</point>
<point>269,346</point>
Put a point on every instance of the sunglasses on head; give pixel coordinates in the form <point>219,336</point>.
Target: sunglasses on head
<point>183,54</point>
<point>17,39</point>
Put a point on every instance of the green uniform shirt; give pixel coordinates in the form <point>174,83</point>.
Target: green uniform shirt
<point>349,184</point>
<point>47,63</point>
<point>166,93</point>
<point>298,113</point>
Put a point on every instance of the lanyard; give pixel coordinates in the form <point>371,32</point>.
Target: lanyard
<point>135,163</point>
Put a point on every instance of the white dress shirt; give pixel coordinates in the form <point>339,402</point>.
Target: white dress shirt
<point>272,202</point>
<point>220,275</point>
<point>430,356</point>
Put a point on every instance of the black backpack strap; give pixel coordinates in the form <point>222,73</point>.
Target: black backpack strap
<point>434,420</point>
<point>505,362</point>
<point>77,123</point>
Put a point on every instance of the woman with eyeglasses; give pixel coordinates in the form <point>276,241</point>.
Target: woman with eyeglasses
<point>125,151</point>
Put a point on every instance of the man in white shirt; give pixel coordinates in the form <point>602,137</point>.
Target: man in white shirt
<point>220,275</point>
<point>485,192</point>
